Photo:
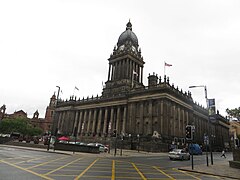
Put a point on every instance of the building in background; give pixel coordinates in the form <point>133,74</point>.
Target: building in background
<point>235,133</point>
<point>43,123</point>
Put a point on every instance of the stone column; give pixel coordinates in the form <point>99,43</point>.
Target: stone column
<point>179,121</point>
<point>161,114</point>
<point>105,121</point>
<point>134,69</point>
<point>89,120</point>
<point>150,123</point>
<point>118,120</point>
<point>94,121</point>
<point>80,122</point>
<point>131,70</point>
<point>75,121</point>
<point>139,75</point>
<point>130,125</point>
<point>124,120</point>
<point>109,71</point>
<point>84,122</point>
<point>183,123</point>
<point>141,123</point>
<point>110,126</point>
<point>127,68</point>
<point>112,73</point>
<point>99,122</point>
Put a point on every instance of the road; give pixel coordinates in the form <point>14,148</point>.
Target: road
<point>23,164</point>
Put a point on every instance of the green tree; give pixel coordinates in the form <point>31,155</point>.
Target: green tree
<point>234,113</point>
<point>19,125</point>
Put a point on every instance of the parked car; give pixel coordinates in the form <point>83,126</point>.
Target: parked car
<point>102,148</point>
<point>77,143</point>
<point>180,154</point>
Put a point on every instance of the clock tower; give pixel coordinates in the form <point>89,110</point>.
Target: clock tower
<point>125,65</point>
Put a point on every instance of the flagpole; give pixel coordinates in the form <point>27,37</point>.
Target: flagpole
<point>164,69</point>
<point>73,91</point>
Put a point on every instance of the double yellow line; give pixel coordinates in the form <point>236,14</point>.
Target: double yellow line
<point>27,170</point>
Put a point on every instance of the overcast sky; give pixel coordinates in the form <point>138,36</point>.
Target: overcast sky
<point>44,44</point>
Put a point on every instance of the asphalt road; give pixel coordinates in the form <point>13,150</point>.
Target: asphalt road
<point>20,164</point>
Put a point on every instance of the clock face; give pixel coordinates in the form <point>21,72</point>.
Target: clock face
<point>121,48</point>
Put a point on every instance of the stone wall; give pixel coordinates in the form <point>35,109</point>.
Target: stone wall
<point>236,159</point>
<point>236,154</point>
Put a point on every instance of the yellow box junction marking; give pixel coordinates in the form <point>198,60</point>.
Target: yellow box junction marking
<point>63,166</point>
<point>40,175</point>
<point>139,172</point>
<point>30,160</point>
<point>113,170</point>
<point>163,172</point>
<point>46,162</point>
<point>80,175</point>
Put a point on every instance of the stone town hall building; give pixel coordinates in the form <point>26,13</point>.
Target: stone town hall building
<point>126,106</point>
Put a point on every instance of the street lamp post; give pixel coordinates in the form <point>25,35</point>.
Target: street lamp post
<point>138,141</point>
<point>130,136</point>
<point>121,145</point>
<point>54,115</point>
<point>208,131</point>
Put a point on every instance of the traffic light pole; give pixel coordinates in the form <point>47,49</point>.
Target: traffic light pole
<point>115,151</point>
<point>189,137</point>
<point>208,128</point>
<point>192,154</point>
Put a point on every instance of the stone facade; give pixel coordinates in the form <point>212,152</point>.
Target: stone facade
<point>235,133</point>
<point>130,109</point>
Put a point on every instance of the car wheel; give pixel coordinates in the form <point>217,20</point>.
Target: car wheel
<point>170,158</point>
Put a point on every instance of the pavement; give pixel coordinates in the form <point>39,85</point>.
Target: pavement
<point>221,169</point>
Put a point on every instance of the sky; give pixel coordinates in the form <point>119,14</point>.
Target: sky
<point>67,43</point>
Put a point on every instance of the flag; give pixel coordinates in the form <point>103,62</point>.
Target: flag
<point>134,72</point>
<point>211,107</point>
<point>76,88</point>
<point>166,64</point>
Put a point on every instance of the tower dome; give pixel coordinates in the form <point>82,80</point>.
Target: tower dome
<point>128,35</point>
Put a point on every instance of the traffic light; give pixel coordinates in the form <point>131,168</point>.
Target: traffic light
<point>189,132</point>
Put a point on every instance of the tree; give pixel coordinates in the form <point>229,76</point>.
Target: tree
<point>234,113</point>
<point>20,125</point>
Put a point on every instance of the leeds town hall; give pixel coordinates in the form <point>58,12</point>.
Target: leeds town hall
<point>153,116</point>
